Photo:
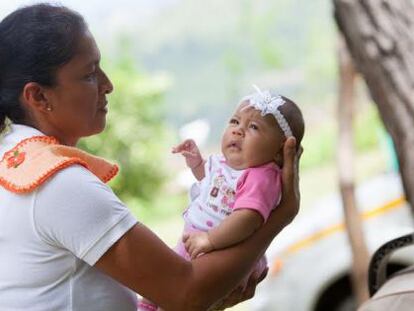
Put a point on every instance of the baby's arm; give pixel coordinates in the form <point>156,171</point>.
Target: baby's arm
<point>234,229</point>
<point>188,148</point>
<point>258,191</point>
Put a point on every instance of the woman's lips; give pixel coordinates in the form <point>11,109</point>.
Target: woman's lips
<point>104,107</point>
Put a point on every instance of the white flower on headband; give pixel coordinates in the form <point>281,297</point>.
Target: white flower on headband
<point>268,104</point>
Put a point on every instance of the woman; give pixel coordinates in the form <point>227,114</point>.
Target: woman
<point>66,241</point>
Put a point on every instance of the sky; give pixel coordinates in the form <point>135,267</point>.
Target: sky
<point>105,18</point>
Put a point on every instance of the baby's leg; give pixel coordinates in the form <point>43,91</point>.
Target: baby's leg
<point>146,305</point>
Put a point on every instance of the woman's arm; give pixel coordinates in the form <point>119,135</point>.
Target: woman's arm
<point>145,264</point>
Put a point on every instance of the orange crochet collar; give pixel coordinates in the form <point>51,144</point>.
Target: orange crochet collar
<point>34,160</point>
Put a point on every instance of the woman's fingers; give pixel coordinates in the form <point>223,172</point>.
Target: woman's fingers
<point>290,180</point>
<point>288,172</point>
<point>233,298</point>
<point>252,282</point>
<point>241,294</point>
<point>262,275</point>
<point>250,289</point>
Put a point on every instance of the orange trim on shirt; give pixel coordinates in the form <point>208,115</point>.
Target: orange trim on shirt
<point>34,160</point>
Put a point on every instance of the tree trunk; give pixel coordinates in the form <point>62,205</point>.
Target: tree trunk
<point>345,163</point>
<point>380,37</point>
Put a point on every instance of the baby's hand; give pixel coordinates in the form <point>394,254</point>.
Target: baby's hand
<point>188,148</point>
<point>197,243</point>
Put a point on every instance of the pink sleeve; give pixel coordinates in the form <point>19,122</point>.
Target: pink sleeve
<point>259,189</point>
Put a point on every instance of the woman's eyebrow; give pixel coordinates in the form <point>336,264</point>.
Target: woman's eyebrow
<point>91,64</point>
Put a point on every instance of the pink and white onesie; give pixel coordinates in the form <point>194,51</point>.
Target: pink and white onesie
<point>224,190</point>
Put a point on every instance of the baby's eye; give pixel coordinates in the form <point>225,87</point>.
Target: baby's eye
<point>254,126</point>
<point>234,121</point>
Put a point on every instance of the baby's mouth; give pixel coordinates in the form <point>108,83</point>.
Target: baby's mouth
<point>235,145</point>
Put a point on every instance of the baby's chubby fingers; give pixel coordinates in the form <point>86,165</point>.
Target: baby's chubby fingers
<point>187,153</point>
<point>191,250</point>
<point>197,251</point>
<point>177,149</point>
<point>185,145</point>
<point>193,254</point>
<point>186,236</point>
<point>189,244</point>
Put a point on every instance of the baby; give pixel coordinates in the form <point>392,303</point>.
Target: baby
<point>237,190</point>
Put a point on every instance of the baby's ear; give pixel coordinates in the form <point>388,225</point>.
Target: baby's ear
<point>279,158</point>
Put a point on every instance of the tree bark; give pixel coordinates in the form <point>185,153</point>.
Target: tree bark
<point>380,37</point>
<point>345,164</point>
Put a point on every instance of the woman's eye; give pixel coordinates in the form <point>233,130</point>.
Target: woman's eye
<point>91,76</point>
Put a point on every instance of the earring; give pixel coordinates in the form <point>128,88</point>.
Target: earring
<point>49,108</point>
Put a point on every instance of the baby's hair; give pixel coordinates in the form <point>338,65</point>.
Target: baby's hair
<point>294,117</point>
<point>270,102</point>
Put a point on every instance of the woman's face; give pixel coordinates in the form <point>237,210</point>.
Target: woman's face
<point>78,102</point>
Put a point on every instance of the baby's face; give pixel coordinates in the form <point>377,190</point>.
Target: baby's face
<point>251,139</point>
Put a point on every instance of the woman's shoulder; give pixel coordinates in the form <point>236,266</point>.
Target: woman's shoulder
<point>75,180</point>
<point>74,174</point>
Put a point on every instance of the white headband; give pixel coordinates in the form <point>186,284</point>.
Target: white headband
<point>266,104</point>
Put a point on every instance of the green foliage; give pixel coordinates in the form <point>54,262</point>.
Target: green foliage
<point>136,136</point>
<point>320,144</point>
<point>368,130</point>
<point>165,206</point>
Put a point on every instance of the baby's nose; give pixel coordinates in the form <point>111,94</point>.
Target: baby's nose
<point>238,131</point>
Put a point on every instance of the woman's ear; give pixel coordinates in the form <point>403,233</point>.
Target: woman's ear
<point>34,97</point>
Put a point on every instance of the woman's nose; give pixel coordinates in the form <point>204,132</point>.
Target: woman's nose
<point>106,85</point>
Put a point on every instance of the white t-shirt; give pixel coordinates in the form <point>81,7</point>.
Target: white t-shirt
<point>51,238</point>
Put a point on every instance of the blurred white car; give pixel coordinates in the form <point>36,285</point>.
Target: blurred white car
<point>310,260</point>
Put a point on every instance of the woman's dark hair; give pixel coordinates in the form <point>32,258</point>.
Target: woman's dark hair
<point>34,42</point>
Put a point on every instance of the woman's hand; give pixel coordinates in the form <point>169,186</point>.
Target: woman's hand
<point>240,294</point>
<point>289,205</point>
<point>189,150</point>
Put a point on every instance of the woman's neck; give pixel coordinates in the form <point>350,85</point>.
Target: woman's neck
<point>51,131</point>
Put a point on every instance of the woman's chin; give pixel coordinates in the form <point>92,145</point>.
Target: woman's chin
<point>96,129</point>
